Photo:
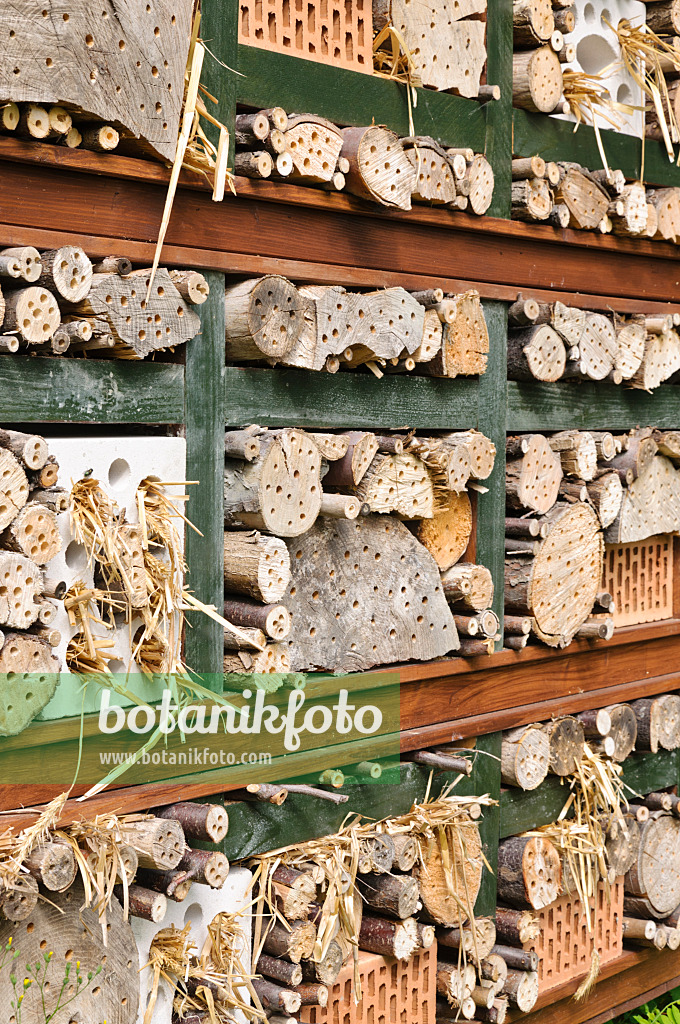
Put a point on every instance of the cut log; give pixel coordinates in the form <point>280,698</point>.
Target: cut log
<point>66,272</point>
<point>380,170</point>
<point>525,756</point>
<point>650,505</point>
<point>567,741</point>
<point>531,199</point>
<point>447,535</point>
<point>53,864</point>
<point>632,220</point>
<point>30,449</point>
<point>598,348</point>
<point>623,730</point>
<point>20,588</point>
<point>279,492</point>
<point>660,361</point>
<point>325,970</point>
<point>191,285</point>
<point>332,446</point>
<point>159,843</point>
<point>33,533</point>
<point>536,80</point>
<point>18,902</point>
<point>656,874</point>
<point>532,482</point>
<point>272,619</point>
<point>398,484</point>
<point>481,177</point>
<point>315,145</point>
<point>456,983</point>
<point>405,852</point>
<point>432,338</point>
<point>446,890</point>
<point>521,988</point>
<point>465,341</point>
<point>477,942</point>
<point>350,470</point>
<point>482,451</point>
<point>174,885</point>
<point>529,871</point>
<point>605,495</point>
<point>206,823</point>
<point>333,601</point>
<point>376,855</point>
<point>32,313</point>
<point>274,658</point>
<point>666,202</point>
<point>295,943</point>
<point>251,129</point>
<point>264,317</point>
<point>468,587</point>
<point>529,167</point>
<point>389,938</point>
<point>393,895</point>
<point>434,181</point>
<point>537,353</point>
<point>532,22</point>
<point>622,843</point>
<point>569,564</point>
<point>596,723</point>
<point>587,202</point>
<point>257,566</point>
<point>274,997</point>
<point>144,903</point>
<point>668,443</point>
<point>569,322</point>
<point>577,451</point>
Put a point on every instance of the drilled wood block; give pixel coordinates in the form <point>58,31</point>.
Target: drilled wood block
<point>565,944</point>
<point>120,61</point>
<point>639,576</point>
<point>392,990</point>
<point>337,32</point>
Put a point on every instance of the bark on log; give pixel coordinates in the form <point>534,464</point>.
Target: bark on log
<point>531,200</point>
<point>405,852</point>
<point>566,738</point>
<point>295,944</point>
<point>275,997</point>
<point>655,876</point>
<point>536,80</point>
<point>529,872</point>
<point>516,927</point>
<point>256,566</point>
<point>272,619</point>
<point>525,756</point>
<point>577,452</point>
<point>327,969</point>
<point>144,903</point>
<point>206,823</point>
<point>468,587</point>
<point>389,938</point>
<point>67,272</point>
<point>174,885</point>
<point>521,988</point>
<point>264,318</point>
<point>393,895</point>
<point>537,353</point>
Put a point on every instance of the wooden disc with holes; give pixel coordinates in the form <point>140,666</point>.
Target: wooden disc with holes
<point>20,588</point>
<point>33,313</point>
<point>379,167</point>
<point>566,574</point>
<point>480,173</point>
<point>290,485</point>
<point>656,872</point>
<point>529,872</point>
<point>13,488</point>
<point>68,271</point>
<point>73,934</point>
<point>447,535</point>
<point>28,678</point>
<point>33,533</point>
<point>450,879</point>
<point>598,346</point>
<point>533,482</point>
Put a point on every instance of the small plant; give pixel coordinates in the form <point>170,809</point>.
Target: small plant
<point>36,974</point>
<point>668,1014</point>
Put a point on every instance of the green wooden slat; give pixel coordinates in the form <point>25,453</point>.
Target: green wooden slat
<point>522,811</point>
<point>555,140</point>
<point>587,405</point>
<point>219,30</point>
<point>499,114</point>
<point>305,398</point>
<point>646,772</point>
<point>352,98</point>
<point>491,418</point>
<point>205,463</point>
<point>486,778</point>
<point>90,391</point>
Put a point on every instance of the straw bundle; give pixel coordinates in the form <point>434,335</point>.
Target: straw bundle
<point>643,54</point>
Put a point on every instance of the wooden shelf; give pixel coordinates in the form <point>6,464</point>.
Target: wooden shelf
<point>589,405</point>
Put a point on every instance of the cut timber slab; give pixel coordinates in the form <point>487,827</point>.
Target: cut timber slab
<point>651,504</point>
<point>586,201</point>
<point>126,67</point>
<point>358,590</point>
<point>448,892</point>
<point>529,872</point>
<point>465,342</point>
<point>399,484</point>
<point>558,587</point>
<point>263,318</point>
<point>314,144</point>
<point>446,536</point>
<point>67,927</point>
<point>379,167</point>
<point>525,755</point>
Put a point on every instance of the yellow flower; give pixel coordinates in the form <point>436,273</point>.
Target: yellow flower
<point>9,941</point>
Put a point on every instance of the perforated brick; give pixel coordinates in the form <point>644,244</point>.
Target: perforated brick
<point>393,992</point>
<point>565,945</point>
<point>338,32</point>
<point>639,576</point>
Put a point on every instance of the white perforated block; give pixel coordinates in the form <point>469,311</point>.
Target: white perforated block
<point>200,908</point>
<point>598,51</point>
<point>119,464</point>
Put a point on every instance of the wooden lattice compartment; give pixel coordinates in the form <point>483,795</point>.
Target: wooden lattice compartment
<point>639,576</point>
<point>565,945</point>
<point>337,32</point>
<point>392,990</point>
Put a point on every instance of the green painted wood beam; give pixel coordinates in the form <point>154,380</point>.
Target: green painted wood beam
<point>556,140</point>
<point>588,405</point>
<point>352,98</point>
<point>646,772</point>
<point>219,31</point>
<point>486,778</point>
<point>278,398</point>
<point>205,463</point>
<point>34,390</point>
<point>498,146</point>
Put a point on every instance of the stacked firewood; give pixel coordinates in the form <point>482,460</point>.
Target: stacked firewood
<point>540,50</point>
<point>56,302</point>
<point>412,884</point>
<point>567,195</point>
<point>560,492</point>
<point>551,341</point>
<point>73,890</point>
<point>349,530</point>
<point>371,162</point>
<point>445,41</point>
<point>29,540</point>
<point>58,126</point>
<point>325,327</point>
<point>648,467</point>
